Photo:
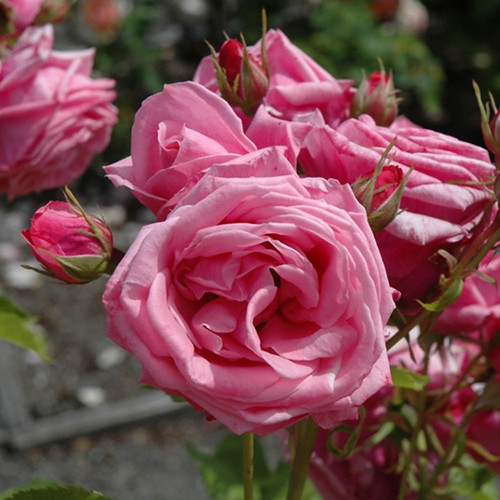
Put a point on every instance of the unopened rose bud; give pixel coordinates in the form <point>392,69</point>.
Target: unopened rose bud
<point>376,97</point>
<point>243,80</point>
<point>490,127</point>
<point>71,245</point>
<point>380,193</point>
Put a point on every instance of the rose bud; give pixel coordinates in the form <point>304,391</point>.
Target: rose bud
<point>490,127</point>
<point>376,97</point>
<point>242,79</point>
<point>71,245</point>
<point>380,193</point>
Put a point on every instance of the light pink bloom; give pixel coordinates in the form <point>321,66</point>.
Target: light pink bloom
<point>53,117</point>
<point>261,298</point>
<point>298,86</point>
<point>441,203</point>
<point>177,135</point>
<point>69,248</point>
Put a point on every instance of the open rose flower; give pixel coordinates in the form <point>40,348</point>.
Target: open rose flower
<point>261,298</point>
<point>441,203</point>
<point>53,117</point>
<point>298,86</point>
<point>177,135</point>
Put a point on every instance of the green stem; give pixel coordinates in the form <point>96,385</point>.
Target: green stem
<point>248,442</point>
<point>305,439</point>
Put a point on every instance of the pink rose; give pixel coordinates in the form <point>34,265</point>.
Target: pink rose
<point>17,15</point>
<point>261,298</point>
<point>298,86</point>
<point>177,135</point>
<point>71,247</point>
<point>441,203</point>
<point>53,117</point>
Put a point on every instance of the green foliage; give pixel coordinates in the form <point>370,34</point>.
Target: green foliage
<point>43,489</point>
<point>472,480</point>
<point>17,327</point>
<point>406,379</point>
<point>346,39</point>
<point>223,469</point>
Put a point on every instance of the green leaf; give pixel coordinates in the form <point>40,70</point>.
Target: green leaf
<point>472,480</point>
<point>405,378</point>
<point>17,327</point>
<point>53,493</point>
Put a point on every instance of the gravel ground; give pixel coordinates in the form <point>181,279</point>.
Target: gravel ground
<point>128,463</point>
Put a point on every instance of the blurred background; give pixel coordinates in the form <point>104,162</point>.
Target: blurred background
<point>435,49</point>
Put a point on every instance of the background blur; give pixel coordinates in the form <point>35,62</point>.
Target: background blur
<point>435,49</point>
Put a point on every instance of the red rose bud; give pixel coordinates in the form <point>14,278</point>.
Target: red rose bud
<point>489,127</point>
<point>380,192</point>
<point>243,81</point>
<point>71,245</point>
<point>376,97</point>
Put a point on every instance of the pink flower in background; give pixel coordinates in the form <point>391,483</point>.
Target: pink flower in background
<point>16,16</point>
<point>261,298</point>
<point>478,304</point>
<point>177,135</point>
<point>71,247</point>
<point>373,469</point>
<point>298,86</point>
<point>53,117</point>
<point>443,200</point>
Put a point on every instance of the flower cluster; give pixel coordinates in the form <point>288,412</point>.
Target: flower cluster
<point>315,254</point>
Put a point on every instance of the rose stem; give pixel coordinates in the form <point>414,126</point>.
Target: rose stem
<point>305,439</point>
<point>248,439</point>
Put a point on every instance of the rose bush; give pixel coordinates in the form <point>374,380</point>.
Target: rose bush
<point>261,298</point>
<point>53,117</point>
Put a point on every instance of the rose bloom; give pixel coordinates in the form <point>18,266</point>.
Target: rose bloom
<point>177,135</point>
<point>261,298</point>
<point>69,248</point>
<point>53,117</point>
<point>442,202</point>
<point>298,86</point>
